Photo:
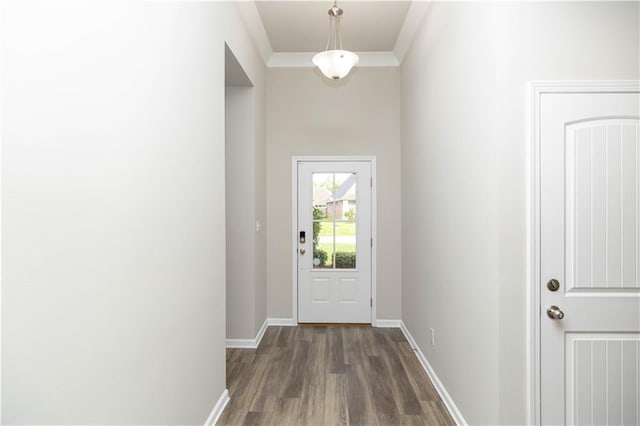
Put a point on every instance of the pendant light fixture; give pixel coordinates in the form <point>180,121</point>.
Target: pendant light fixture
<point>334,62</point>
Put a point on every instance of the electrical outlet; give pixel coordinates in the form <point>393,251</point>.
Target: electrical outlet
<point>433,337</point>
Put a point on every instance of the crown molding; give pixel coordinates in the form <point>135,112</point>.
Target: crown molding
<point>410,27</point>
<point>303,60</point>
<point>254,26</point>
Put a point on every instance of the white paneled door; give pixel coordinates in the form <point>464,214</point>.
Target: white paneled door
<point>334,241</point>
<point>590,258</point>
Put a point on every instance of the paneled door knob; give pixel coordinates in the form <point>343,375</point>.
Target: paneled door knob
<point>555,313</point>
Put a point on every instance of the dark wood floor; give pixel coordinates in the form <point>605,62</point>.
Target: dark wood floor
<point>330,375</point>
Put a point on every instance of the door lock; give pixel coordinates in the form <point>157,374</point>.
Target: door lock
<point>555,313</point>
<point>553,284</point>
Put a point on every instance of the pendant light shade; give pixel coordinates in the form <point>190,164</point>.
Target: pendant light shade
<point>335,63</point>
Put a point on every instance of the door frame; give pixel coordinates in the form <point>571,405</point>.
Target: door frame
<point>371,159</point>
<point>535,90</point>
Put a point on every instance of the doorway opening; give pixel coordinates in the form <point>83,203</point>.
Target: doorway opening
<point>239,190</point>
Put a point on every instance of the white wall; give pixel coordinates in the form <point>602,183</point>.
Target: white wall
<point>254,164</point>
<point>246,188</point>
<point>113,262</point>
<point>310,115</point>
<point>464,163</point>
<point>245,204</point>
<point>240,228</point>
<point>260,206</point>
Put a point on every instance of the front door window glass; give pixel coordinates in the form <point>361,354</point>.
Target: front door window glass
<point>334,220</point>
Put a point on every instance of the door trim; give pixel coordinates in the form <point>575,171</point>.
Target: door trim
<point>294,225</point>
<point>535,90</point>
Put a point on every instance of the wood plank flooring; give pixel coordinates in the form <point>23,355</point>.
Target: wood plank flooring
<point>330,375</point>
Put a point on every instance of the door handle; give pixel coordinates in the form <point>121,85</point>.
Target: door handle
<point>555,313</point>
<point>302,251</point>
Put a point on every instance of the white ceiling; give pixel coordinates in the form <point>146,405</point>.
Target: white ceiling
<point>302,26</point>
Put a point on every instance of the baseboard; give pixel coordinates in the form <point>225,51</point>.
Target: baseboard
<point>387,323</point>
<point>282,322</point>
<point>260,334</point>
<point>242,343</point>
<point>437,384</point>
<point>249,343</point>
<point>218,409</point>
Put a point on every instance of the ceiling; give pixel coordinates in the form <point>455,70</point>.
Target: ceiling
<point>303,25</point>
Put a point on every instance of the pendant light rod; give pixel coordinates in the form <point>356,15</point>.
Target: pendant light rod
<point>335,13</point>
<point>338,34</point>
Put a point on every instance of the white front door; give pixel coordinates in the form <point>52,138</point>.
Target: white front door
<point>334,241</point>
<point>589,258</point>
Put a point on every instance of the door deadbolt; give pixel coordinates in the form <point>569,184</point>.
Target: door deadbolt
<point>555,313</point>
<point>553,284</point>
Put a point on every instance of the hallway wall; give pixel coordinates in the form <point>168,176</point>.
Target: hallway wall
<point>308,114</point>
<point>113,210</point>
<point>240,212</point>
<point>245,204</point>
<point>464,174</point>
